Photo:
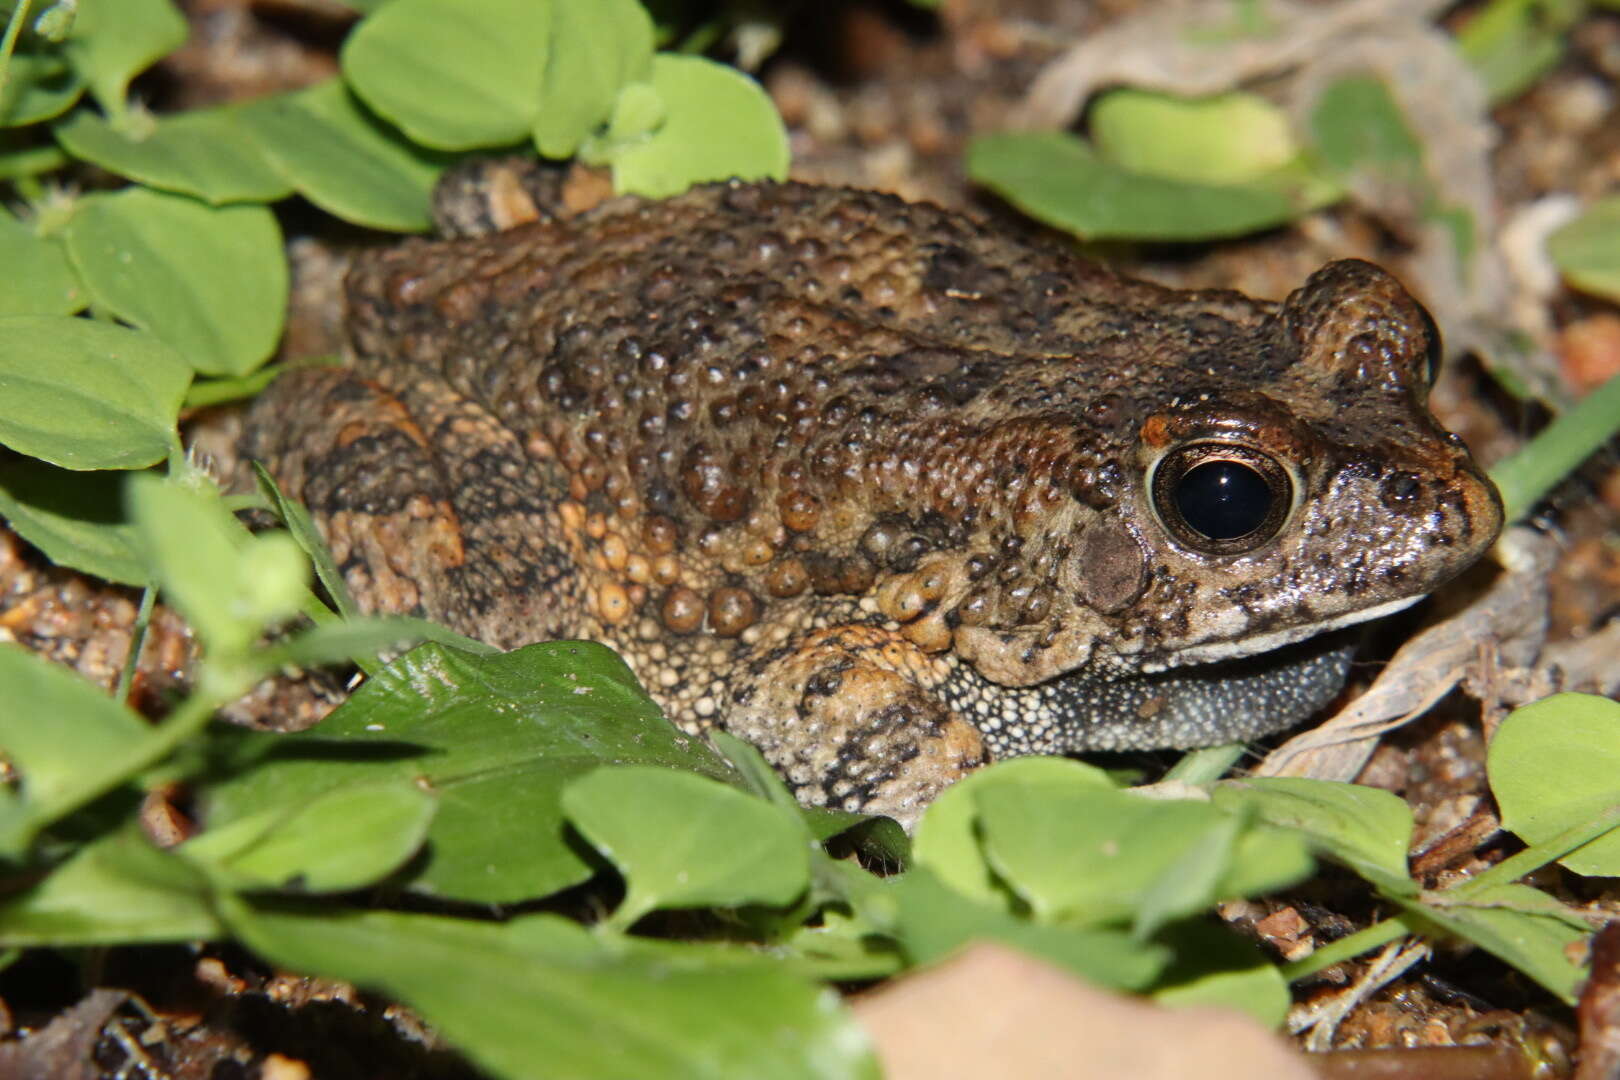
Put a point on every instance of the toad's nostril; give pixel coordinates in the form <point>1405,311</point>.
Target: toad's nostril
<point>1399,487</point>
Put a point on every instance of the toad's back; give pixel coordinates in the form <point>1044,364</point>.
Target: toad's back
<point>875,486</point>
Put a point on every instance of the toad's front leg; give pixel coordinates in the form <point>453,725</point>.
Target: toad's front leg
<point>852,717</point>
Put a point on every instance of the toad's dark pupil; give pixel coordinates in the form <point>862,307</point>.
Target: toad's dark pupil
<point>1223,499</point>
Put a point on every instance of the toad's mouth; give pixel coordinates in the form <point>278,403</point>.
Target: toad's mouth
<point>1253,644</point>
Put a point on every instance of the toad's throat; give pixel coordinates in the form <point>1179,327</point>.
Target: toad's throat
<point>1185,707</point>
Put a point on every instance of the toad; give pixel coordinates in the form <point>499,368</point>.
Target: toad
<point>883,490</point>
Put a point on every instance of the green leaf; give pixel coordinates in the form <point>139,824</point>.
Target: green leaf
<point>115,40</point>
<point>947,840</point>
<point>1359,127</point>
<point>1215,967</point>
<point>530,998</point>
<point>295,518</point>
<point>119,890</point>
<point>497,737</point>
<point>1520,925</point>
<point>1364,828</point>
<point>211,281</point>
<point>342,839</point>
<point>453,75</point>
<point>76,519</point>
<point>684,841</point>
<point>1190,883</point>
<point>38,87</point>
<point>227,584</point>
<point>1363,138</point>
<point>1587,250</point>
<point>1512,43</point>
<point>1059,179</point>
<point>637,112</point>
<point>86,395</point>
<point>343,159</point>
<point>1087,855</point>
<point>720,125</point>
<point>203,153</point>
<point>1225,139</point>
<point>39,279</point>
<point>935,921</point>
<point>1265,860</point>
<point>67,738</point>
<point>596,49</point>
<point>1555,764</point>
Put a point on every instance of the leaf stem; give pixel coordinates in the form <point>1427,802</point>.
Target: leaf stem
<point>1207,765</point>
<point>1558,450</point>
<point>205,392</point>
<point>8,45</point>
<point>137,641</point>
<point>1536,856</point>
<point>1346,948</point>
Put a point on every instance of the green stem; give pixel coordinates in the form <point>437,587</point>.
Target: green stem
<point>1536,856</point>
<point>22,167</point>
<point>207,392</point>
<point>8,44</point>
<point>1207,765</point>
<point>1552,455</point>
<point>1379,933</point>
<point>137,641</point>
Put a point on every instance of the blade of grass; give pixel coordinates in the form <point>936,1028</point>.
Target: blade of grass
<point>1347,948</point>
<point>1207,765</point>
<point>1558,450</point>
<point>8,45</point>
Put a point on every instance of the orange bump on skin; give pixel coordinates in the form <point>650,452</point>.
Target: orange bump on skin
<point>595,526</point>
<point>787,578</point>
<point>757,552</point>
<point>613,604</point>
<point>900,599</point>
<point>666,570</point>
<point>638,569</point>
<point>573,516</point>
<point>659,534</point>
<point>799,510</point>
<point>1156,432</point>
<point>614,551</point>
<point>931,583</point>
<point>732,610</point>
<point>682,611</point>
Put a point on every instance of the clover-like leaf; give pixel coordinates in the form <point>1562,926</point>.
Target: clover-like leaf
<point>211,281</point>
<point>684,841</point>
<point>450,74</point>
<point>86,395</point>
<point>1554,765</point>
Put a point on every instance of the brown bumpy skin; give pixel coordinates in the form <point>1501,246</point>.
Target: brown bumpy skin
<point>873,486</point>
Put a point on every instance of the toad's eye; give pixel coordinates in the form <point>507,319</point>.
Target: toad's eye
<point>1220,498</point>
